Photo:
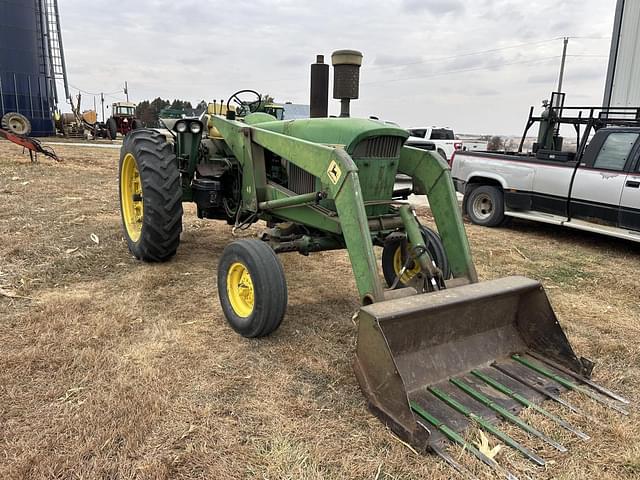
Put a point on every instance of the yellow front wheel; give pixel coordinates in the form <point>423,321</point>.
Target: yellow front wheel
<point>401,257</point>
<point>240,290</point>
<point>252,288</point>
<point>395,255</point>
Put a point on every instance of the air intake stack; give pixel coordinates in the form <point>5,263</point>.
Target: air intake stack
<point>346,77</point>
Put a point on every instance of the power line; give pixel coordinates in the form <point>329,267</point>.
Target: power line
<point>91,93</point>
<point>480,52</point>
<point>446,72</point>
<point>461,55</point>
<point>432,59</point>
<point>588,55</point>
<point>585,37</point>
<point>468,54</point>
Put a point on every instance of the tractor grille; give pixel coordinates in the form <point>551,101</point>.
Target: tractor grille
<point>379,147</point>
<point>299,180</point>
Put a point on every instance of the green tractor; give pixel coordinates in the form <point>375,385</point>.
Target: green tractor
<point>437,350</point>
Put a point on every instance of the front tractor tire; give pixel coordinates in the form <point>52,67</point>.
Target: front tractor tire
<point>150,196</point>
<point>252,288</point>
<point>394,257</point>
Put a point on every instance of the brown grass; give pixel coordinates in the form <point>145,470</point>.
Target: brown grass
<point>110,368</point>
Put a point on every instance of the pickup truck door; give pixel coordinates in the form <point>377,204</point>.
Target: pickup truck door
<point>630,201</point>
<point>600,178</point>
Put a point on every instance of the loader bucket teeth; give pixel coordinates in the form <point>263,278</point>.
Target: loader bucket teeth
<point>581,379</point>
<point>432,365</point>
<point>546,371</point>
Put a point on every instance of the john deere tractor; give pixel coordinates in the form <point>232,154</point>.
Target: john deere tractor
<point>436,349</point>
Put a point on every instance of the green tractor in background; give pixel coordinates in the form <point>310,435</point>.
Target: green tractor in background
<point>436,350</point>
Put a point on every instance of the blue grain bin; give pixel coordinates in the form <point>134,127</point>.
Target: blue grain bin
<point>24,86</point>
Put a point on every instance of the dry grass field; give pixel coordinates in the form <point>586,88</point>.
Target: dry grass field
<point>113,369</point>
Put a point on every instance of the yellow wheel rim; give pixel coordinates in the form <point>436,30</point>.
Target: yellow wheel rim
<point>131,197</point>
<point>398,262</point>
<point>240,289</point>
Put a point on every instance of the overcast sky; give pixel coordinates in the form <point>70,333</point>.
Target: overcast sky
<point>474,65</point>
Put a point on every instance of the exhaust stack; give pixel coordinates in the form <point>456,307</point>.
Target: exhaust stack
<point>319,102</point>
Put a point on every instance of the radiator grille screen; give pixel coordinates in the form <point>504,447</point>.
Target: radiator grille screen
<point>300,181</point>
<point>379,147</point>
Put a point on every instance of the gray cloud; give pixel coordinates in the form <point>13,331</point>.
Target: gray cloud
<point>485,91</point>
<point>547,77</point>
<point>435,7</point>
<point>385,59</point>
<point>197,49</point>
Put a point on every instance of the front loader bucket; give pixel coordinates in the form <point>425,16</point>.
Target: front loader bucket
<point>431,364</point>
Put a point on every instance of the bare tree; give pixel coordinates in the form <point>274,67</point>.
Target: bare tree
<point>495,143</point>
<point>511,145</point>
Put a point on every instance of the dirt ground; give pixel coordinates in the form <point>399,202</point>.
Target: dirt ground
<point>110,368</point>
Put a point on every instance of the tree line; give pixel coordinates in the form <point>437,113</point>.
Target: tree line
<point>148,111</point>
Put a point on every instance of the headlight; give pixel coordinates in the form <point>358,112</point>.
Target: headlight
<point>195,127</point>
<point>181,127</point>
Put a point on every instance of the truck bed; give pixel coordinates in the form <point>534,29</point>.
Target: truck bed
<point>543,157</point>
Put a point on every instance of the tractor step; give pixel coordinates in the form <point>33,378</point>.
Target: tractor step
<point>433,365</point>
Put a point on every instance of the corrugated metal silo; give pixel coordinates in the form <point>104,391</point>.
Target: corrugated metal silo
<point>27,76</point>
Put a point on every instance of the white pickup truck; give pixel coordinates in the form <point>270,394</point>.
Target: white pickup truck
<point>595,189</point>
<point>444,140</point>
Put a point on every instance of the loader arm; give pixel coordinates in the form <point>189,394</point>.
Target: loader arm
<point>431,176</point>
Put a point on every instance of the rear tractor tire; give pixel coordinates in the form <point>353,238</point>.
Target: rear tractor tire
<point>150,196</point>
<point>394,258</point>
<point>17,123</point>
<point>485,206</point>
<point>252,288</point>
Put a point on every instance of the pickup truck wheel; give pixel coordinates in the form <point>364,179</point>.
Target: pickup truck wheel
<point>442,154</point>
<point>485,206</point>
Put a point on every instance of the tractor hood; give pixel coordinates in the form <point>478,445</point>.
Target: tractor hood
<point>349,132</point>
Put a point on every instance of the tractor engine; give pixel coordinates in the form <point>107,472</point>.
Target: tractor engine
<point>373,145</point>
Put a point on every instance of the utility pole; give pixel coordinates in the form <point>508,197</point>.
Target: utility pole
<point>126,90</point>
<point>564,56</point>
<point>102,101</point>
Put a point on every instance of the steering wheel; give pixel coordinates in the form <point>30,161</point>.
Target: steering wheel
<point>244,105</point>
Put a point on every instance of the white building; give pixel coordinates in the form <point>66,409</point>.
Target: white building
<point>622,88</point>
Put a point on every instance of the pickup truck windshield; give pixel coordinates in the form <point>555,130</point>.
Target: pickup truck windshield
<point>615,151</point>
<point>418,132</point>
<point>442,134</point>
